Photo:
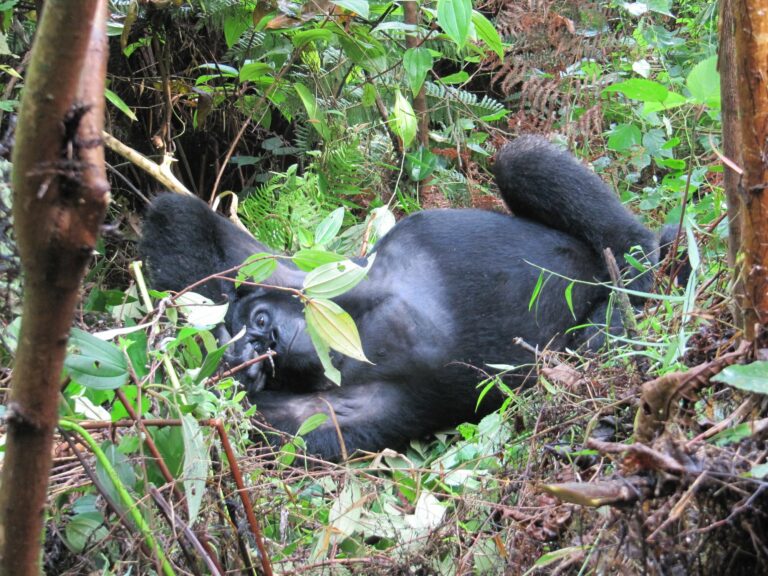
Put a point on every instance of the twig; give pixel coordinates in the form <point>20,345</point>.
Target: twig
<point>174,520</point>
<point>160,172</point>
<point>244,498</point>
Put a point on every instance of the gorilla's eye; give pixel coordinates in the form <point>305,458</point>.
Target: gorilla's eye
<point>260,320</point>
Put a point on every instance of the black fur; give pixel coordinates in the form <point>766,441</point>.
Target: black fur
<point>447,295</point>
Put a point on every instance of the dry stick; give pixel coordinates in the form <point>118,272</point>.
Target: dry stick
<point>160,172</point>
<point>160,461</point>
<point>174,520</point>
<point>233,466</point>
<point>244,498</point>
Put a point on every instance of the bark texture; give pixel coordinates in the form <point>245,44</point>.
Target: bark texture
<point>60,197</point>
<point>751,51</point>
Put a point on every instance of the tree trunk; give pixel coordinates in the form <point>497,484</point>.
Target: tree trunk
<point>751,58</point>
<point>60,197</point>
<point>731,147</point>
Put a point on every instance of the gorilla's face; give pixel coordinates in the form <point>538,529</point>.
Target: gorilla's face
<point>271,320</point>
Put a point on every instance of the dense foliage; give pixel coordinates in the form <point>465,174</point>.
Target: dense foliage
<point>301,109</point>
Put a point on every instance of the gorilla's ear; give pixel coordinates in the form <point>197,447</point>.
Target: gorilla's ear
<point>184,241</point>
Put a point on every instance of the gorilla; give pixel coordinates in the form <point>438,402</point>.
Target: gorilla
<point>449,295</point>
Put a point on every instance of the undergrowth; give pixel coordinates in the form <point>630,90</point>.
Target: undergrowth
<point>633,89</point>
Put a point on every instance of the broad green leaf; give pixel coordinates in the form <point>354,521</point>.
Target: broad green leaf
<point>85,530</point>
<point>312,423</point>
<point>335,327</point>
<point>211,363</point>
<point>458,78</point>
<point>359,7</point>
<point>94,363</point>
<point>254,71</point>
<point>673,100</point>
<point>257,268</point>
<point>196,464</point>
<point>118,103</point>
<point>329,227</point>
<point>234,25</point>
<point>640,89</point>
<point>200,311</point>
<point>316,116</point>
<point>405,124</point>
<point>420,164</point>
<point>624,136</point>
<point>487,33</point>
<point>335,278</point>
<point>417,63</point>
<point>703,82</point>
<point>309,258</point>
<point>220,69</point>
<point>748,377</point>
<point>324,353</point>
<point>454,17</point>
<point>305,36</point>
<point>383,221</point>
<point>660,7</point>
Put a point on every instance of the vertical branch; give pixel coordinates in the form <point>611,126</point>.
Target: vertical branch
<point>751,43</point>
<point>731,146</point>
<point>60,196</point>
<point>412,16</point>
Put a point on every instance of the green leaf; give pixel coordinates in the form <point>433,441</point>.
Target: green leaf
<point>94,363</point>
<point>234,25</point>
<point>536,290</point>
<point>748,377</point>
<point>329,227</point>
<point>254,71</point>
<point>487,33</point>
<point>405,123</point>
<point>417,63</point>
<point>316,116</point>
<point>200,311</point>
<point>256,268</point>
<point>640,89</point>
<point>211,363</point>
<point>309,258</point>
<point>312,423</point>
<point>569,298</point>
<point>334,327</point>
<point>305,36</point>
<point>624,136</point>
<point>673,100</point>
<point>454,17</point>
<point>420,164</point>
<point>550,557</point>
<point>196,464</point>
<point>335,278</point>
<point>359,7</point>
<point>324,354</point>
<point>85,530</point>
<point>703,82</point>
<point>118,103</point>
<point>458,78</point>
<point>759,471</point>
